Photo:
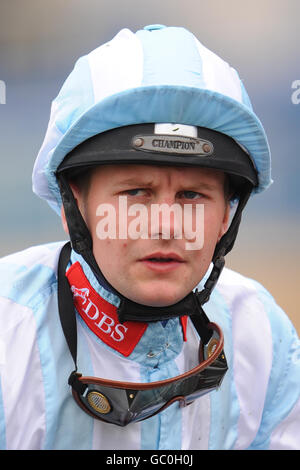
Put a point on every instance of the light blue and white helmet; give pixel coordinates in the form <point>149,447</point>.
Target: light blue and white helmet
<point>156,75</point>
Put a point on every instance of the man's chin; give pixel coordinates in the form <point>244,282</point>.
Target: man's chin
<point>158,300</point>
<point>156,293</point>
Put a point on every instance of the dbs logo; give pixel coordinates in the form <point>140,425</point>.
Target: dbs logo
<point>101,316</point>
<point>101,320</point>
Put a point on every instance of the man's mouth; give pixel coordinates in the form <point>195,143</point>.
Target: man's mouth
<point>162,262</point>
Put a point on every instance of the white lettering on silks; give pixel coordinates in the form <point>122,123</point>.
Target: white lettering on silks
<point>105,323</point>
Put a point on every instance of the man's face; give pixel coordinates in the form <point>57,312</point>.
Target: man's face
<point>156,268</point>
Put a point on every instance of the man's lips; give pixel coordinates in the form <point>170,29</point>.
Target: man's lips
<point>162,262</point>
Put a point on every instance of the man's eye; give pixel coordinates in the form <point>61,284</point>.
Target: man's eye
<point>135,192</point>
<point>191,195</point>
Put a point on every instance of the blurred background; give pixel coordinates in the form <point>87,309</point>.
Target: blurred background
<point>39,44</point>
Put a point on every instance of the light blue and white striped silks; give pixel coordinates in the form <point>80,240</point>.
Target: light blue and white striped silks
<point>256,407</point>
<point>158,74</point>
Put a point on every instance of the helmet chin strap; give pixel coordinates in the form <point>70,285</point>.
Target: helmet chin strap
<point>128,310</point>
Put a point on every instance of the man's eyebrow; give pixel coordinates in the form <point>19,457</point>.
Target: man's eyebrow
<point>135,180</point>
<point>143,181</point>
<point>207,186</point>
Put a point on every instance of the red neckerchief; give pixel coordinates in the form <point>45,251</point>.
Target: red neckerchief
<point>101,316</point>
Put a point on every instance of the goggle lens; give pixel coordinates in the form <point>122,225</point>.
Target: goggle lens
<point>122,403</point>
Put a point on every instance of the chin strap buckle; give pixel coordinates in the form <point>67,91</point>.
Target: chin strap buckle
<point>212,280</point>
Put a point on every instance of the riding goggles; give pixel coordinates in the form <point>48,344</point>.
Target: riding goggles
<point>122,403</point>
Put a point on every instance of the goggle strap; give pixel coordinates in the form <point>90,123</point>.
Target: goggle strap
<point>200,322</point>
<point>65,303</point>
<point>75,383</point>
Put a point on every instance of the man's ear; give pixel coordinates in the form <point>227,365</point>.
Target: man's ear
<point>64,220</point>
<point>225,222</point>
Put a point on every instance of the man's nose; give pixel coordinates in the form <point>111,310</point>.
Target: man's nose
<point>166,218</point>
